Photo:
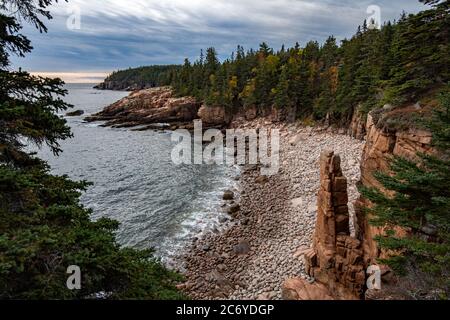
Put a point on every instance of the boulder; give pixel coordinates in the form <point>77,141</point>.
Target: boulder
<point>224,284</point>
<point>301,252</point>
<point>300,289</point>
<point>234,209</point>
<point>242,248</point>
<point>295,140</point>
<point>75,113</point>
<point>297,203</point>
<point>228,195</point>
<point>262,179</point>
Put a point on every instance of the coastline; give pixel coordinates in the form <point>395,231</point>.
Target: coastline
<point>275,220</point>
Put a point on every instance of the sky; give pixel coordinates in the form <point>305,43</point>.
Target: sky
<point>88,39</point>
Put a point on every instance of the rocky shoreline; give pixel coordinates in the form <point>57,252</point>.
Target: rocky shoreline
<point>273,222</point>
<point>159,109</point>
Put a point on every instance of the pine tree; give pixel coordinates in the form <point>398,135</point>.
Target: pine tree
<point>347,74</point>
<point>367,71</point>
<point>309,71</point>
<point>43,227</point>
<point>326,100</point>
<point>265,50</point>
<point>367,74</point>
<point>418,67</point>
<point>211,62</point>
<point>282,99</point>
<point>384,51</point>
<point>419,202</point>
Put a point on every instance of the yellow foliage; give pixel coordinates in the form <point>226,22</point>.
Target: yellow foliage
<point>233,83</point>
<point>272,62</point>
<point>249,89</point>
<point>308,122</point>
<point>212,79</point>
<point>334,76</point>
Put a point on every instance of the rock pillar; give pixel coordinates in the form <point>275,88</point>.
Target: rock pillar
<point>336,259</point>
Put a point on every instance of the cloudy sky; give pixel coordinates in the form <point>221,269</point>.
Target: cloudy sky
<point>115,34</point>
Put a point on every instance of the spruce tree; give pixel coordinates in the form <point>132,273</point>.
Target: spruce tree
<point>326,100</point>
<point>422,53</point>
<point>346,97</point>
<point>281,92</point>
<point>374,67</point>
<point>308,71</point>
<point>417,199</point>
<point>43,227</point>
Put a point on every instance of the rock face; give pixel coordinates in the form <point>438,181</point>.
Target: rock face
<point>213,116</point>
<point>148,106</point>
<point>335,260</point>
<point>250,113</point>
<point>380,146</point>
<point>357,127</point>
<point>279,115</point>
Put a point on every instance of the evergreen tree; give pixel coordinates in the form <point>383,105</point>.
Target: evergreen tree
<point>418,200</point>
<point>265,50</point>
<point>329,57</point>
<point>346,96</point>
<point>43,227</point>
<point>281,92</point>
<point>370,69</point>
<point>210,67</point>
<point>384,51</point>
<point>266,75</point>
<point>212,62</point>
<point>294,75</point>
<point>184,83</point>
<point>419,67</point>
<point>329,54</point>
<point>308,73</point>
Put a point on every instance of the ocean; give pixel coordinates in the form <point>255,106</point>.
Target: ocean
<point>159,205</point>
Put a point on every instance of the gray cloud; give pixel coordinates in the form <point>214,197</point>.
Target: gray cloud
<point>118,33</point>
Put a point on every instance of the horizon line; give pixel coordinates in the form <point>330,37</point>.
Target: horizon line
<point>74,76</point>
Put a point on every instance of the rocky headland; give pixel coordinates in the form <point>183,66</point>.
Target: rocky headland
<point>158,108</point>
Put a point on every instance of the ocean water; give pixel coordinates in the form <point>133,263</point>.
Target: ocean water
<point>159,205</point>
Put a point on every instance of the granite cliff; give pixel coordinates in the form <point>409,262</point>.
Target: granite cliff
<point>337,260</point>
<point>158,108</point>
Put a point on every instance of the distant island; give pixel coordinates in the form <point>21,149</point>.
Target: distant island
<point>139,78</point>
